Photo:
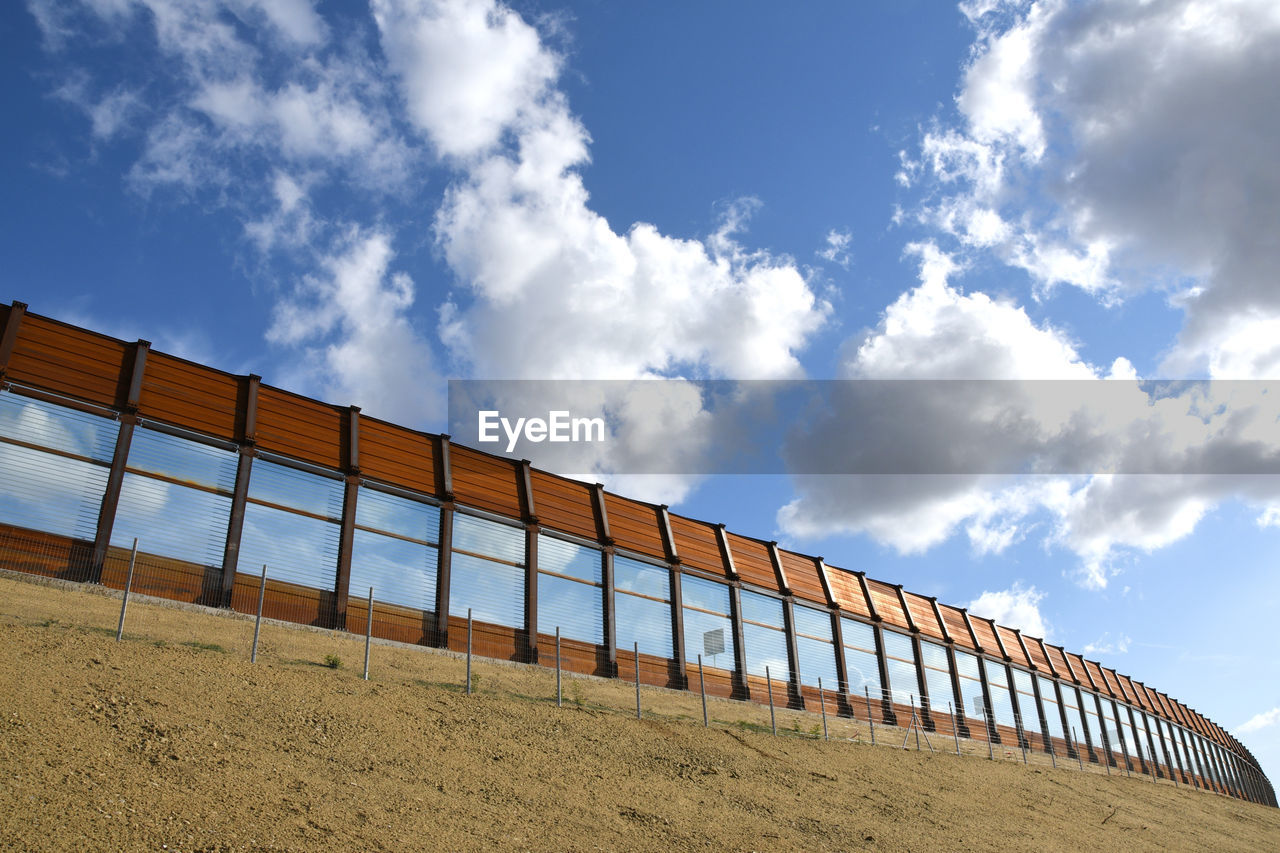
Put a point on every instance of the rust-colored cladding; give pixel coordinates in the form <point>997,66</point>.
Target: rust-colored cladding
<point>848,591</point>
<point>300,428</point>
<point>71,361</point>
<point>1113,685</point>
<point>1127,688</point>
<point>1095,672</point>
<point>986,636</point>
<point>697,545</point>
<point>751,559</point>
<point>183,393</point>
<point>956,627</point>
<point>1037,654</point>
<point>887,603</point>
<point>634,525</point>
<point>398,456</point>
<point>922,614</point>
<point>802,575</point>
<point>1144,699</point>
<point>563,504</point>
<point>1012,646</point>
<point>1077,663</point>
<point>1058,660</point>
<point>484,481</point>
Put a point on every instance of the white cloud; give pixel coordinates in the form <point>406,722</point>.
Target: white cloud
<point>1124,469</point>
<point>1105,645</point>
<point>1117,146</point>
<point>837,249</point>
<point>1259,721</point>
<point>351,320</point>
<point>1016,607</point>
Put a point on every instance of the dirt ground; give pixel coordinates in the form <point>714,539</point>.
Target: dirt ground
<point>172,740</point>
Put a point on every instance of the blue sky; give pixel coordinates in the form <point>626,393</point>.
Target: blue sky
<point>360,201</point>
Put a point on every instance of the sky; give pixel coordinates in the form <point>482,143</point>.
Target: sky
<point>361,201</point>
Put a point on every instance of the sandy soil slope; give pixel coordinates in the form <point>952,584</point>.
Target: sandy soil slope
<point>172,740</point>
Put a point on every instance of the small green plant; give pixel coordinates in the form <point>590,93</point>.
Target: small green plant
<point>575,692</point>
<point>815,730</point>
<point>204,647</point>
<point>475,682</point>
<point>332,661</point>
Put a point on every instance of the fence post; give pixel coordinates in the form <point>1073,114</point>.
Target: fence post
<point>468,651</point>
<point>559,691</point>
<point>636,651</point>
<point>702,688</point>
<point>955,728</point>
<point>1125,750</point>
<point>1074,743</point>
<point>822,703</point>
<point>866,691</point>
<point>768,683</point>
<point>991,727</point>
<point>257,624</point>
<point>128,583</point>
<point>368,634</point>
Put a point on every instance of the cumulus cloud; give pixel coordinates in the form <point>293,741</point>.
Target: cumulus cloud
<point>1259,721</point>
<point>836,250</point>
<point>1106,645</point>
<point>1122,465</point>
<point>1117,146</point>
<point>1016,607</point>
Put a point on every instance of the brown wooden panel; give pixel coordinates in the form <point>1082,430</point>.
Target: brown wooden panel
<point>398,456</point>
<point>758,687</point>
<point>956,627</point>
<point>1113,686</point>
<point>697,545</point>
<point>286,601</point>
<point>634,525</point>
<point>563,504</point>
<point>1036,650</point>
<point>1095,672</point>
<point>49,555</point>
<point>802,575</point>
<point>163,577</point>
<point>575,656</point>
<point>922,613</point>
<point>392,621</point>
<point>190,395</point>
<point>1077,663</point>
<point>656,671</point>
<point>752,560</point>
<point>484,481</point>
<point>300,427</point>
<point>718,682</point>
<point>71,361</point>
<point>488,640</point>
<point>1012,646</point>
<point>848,591</point>
<point>887,603</point>
<point>1059,662</point>
<point>986,636</point>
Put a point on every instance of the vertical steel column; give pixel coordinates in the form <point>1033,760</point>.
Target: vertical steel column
<point>739,646</point>
<point>677,620</point>
<point>888,715</point>
<point>922,683</point>
<point>605,539</point>
<point>788,627</point>
<point>842,667</point>
<point>244,470</point>
<point>1072,750</point>
<point>119,459</point>
<point>524,483</point>
<point>10,337</point>
<point>350,494</point>
<point>444,479</point>
<point>988,713</point>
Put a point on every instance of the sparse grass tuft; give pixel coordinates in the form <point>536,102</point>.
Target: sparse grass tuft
<point>332,661</point>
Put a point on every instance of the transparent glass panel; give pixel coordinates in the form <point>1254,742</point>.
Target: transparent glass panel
<point>899,646</point>
<point>900,664</point>
<point>1001,703</point>
<point>1109,724</point>
<point>1126,727</point>
<point>41,491</point>
<point>647,622</point>
<point>858,635</point>
<point>864,673</point>
<point>970,698</point>
<point>706,621</point>
<point>1140,722</point>
<point>295,489</point>
<point>488,538</point>
<point>296,548</point>
<point>1049,703</point>
<point>401,516</point>
<point>399,571</point>
<point>172,521</point>
<point>1029,713</point>
<point>1076,722</point>
<point>156,452</point>
<point>57,427</point>
<point>644,579</point>
<point>937,677</point>
<point>575,607</point>
<point>566,558</point>
<point>765,644</point>
<point>815,647</point>
<point>494,591</point>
